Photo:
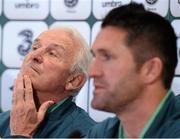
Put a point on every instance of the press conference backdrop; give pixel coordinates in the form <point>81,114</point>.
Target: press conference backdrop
<point>21,21</point>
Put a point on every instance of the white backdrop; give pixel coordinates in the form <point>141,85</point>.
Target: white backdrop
<point>22,20</point>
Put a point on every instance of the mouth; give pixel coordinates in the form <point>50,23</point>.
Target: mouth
<point>32,67</point>
<point>98,88</point>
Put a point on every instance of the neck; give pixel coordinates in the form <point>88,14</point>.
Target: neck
<point>41,97</point>
<point>135,116</point>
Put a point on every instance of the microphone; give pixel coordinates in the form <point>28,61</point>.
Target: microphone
<point>75,134</point>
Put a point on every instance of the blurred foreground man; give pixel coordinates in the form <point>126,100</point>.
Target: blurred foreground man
<point>135,56</point>
<point>52,73</point>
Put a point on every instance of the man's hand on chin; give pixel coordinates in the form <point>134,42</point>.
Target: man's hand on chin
<point>24,117</point>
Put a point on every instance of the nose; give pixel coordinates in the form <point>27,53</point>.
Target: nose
<point>37,56</point>
<point>94,70</point>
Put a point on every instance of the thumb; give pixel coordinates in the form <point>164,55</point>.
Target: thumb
<point>42,110</point>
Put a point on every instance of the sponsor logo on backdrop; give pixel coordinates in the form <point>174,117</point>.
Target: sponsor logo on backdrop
<point>151,2</point>
<point>27,4</point>
<point>70,3</point>
<point>111,4</point>
<point>26,43</point>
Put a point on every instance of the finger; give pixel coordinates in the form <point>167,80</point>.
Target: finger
<point>43,108</point>
<point>18,91</point>
<point>13,92</point>
<point>11,122</point>
<point>28,90</point>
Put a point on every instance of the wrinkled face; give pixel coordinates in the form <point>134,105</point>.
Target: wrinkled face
<point>116,81</point>
<point>49,61</point>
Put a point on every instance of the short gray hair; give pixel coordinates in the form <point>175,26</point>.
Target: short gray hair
<point>83,57</point>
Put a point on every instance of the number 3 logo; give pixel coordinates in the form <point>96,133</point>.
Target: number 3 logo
<point>26,43</point>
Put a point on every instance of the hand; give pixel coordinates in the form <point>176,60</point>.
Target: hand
<point>24,118</point>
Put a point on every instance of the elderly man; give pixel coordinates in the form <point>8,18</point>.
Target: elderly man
<point>135,55</point>
<point>52,74</point>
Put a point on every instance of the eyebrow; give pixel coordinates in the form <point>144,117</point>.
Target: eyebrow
<point>54,45</point>
<point>101,50</point>
<point>36,40</point>
<point>51,44</point>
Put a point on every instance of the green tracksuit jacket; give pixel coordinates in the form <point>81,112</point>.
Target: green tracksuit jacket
<point>61,123</point>
<point>165,125</point>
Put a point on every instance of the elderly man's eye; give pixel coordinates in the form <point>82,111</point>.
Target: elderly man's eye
<point>34,48</point>
<point>51,53</point>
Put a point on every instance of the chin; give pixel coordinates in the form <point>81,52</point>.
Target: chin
<point>96,105</point>
<point>102,106</point>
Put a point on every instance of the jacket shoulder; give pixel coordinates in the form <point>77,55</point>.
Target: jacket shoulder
<point>4,124</point>
<point>171,128</point>
<point>81,120</point>
<point>106,128</point>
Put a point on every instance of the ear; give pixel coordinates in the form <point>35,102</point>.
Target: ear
<point>75,81</point>
<point>151,70</point>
